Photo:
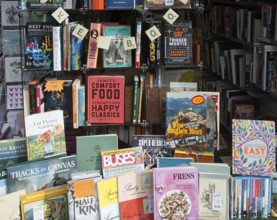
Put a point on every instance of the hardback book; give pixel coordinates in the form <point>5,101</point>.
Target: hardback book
<point>178,43</point>
<point>219,168</point>
<point>45,204</point>
<point>105,101</point>
<point>167,3</point>
<point>122,161</point>
<point>14,97</point>
<point>171,184</point>
<point>45,135</point>
<point>12,151</point>
<point>37,4</point>
<point>39,98</point>
<point>135,195</point>
<point>173,161</point>
<point>89,150</point>
<point>39,46</point>
<point>12,69</point>
<point>136,99</point>
<point>108,198</point>
<point>41,174</point>
<point>253,147</point>
<point>93,51</point>
<point>57,48</point>
<point>81,105</point>
<point>58,95</point>
<point>114,4</point>
<point>128,103</point>
<point>153,146</point>
<point>116,55</point>
<point>10,205</point>
<point>83,198</point>
<point>75,100</point>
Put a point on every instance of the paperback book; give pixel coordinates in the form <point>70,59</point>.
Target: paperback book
<point>45,135</point>
<point>13,69</point>
<point>93,51</point>
<point>14,97</point>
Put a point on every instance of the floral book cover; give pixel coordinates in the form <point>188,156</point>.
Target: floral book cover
<point>45,135</point>
<point>175,192</point>
<point>253,147</point>
<point>135,195</point>
<point>189,123</point>
<point>105,102</point>
<point>38,46</point>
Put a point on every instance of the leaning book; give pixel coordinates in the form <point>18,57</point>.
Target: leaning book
<point>45,135</point>
<point>37,175</point>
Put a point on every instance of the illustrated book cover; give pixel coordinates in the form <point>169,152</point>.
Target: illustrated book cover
<point>45,204</point>
<point>89,150</point>
<point>93,51</point>
<point>253,147</point>
<point>12,151</point>
<point>153,146</point>
<point>10,205</point>
<point>171,184</point>
<point>178,43</point>
<point>42,174</point>
<point>83,199</point>
<point>105,101</point>
<point>39,46</point>
<point>116,55</point>
<point>13,69</point>
<point>122,161</point>
<point>14,97</point>
<point>12,15</point>
<point>11,41</point>
<point>45,135</point>
<point>135,195</point>
<point>108,198</point>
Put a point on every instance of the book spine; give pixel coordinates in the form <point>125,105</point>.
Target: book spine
<point>95,31</point>
<point>98,4</point>
<point>138,42</point>
<point>57,56</point>
<point>81,106</point>
<point>75,104</point>
<point>141,89</point>
<point>38,99</point>
<point>65,45</point>
<point>136,98</point>
<point>32,97</point>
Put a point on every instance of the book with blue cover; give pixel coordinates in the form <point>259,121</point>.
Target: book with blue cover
<point>115,4</point>
<point>173,161</point>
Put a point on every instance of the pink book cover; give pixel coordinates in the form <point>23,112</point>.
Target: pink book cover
<point>175,193</point>
<point>105,103</point>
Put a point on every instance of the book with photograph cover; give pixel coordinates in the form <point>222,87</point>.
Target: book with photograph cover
<point>41,174</point>
<point>39,46</point>
<point>116,55</point>
<point>45,135</point>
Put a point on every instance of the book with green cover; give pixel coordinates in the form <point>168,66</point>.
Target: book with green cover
<point>89,150</point>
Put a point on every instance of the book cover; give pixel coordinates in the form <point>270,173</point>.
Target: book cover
<point>11,15</point>
<point>94,33</point>
<point>167,3</point>
<point>45,135</point>
<point>178,43</point>
<point>173,184</point>
<point>39,98</point>
<point>253,147</point>
<point>135,99</point>
<point>173,161</point>
<point>114,4</point>
<point>37,4</point>
<point>122,161</point>
<point>116,55</point>
<point>12,69</point>
<point>12,151</point>
<point>42,174</point>
<point>58,96</point>
<point>108,198</point>
<point>39,46</point>
<point>81,105</point>
<point>105,102</point>
<point>89,150</point>
<point>138,42</point>
<point>10,205</point>
<point>45,204</point>
<point>57,48</point>
<point>83,199</point>
<point>3,187</point>
<point>14,97</point>
<point>153,146</point>
<point>182,86</point>
<point>135,195</point>
<point>11,42</point>
<point>75,100</point>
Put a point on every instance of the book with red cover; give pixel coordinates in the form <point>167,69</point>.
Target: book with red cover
<point>105,103</point>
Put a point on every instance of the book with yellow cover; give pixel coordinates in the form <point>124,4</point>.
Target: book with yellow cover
<point>108,198</point>
<point>45,204</point>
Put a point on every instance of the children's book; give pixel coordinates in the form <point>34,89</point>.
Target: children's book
<point>39,46</point>
<point>135,195</point>
<point>12,151</point>
<point>45,204</point>
<point>105,101</point>
<point>108,198</point>
<point>175,192</point>
<point>42,174</point>
<point>89,150</point>
<point>122,161</point>
<point>45,135</point>
<point>253,147</point>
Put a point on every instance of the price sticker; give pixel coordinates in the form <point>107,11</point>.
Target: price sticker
<point>184,1</point>
<point>104,42</point>
<point>170,16</point>
<point>153,33</point>
<point>129,43</point>
<point>80,32</point>
<point>217,202</point>
<point>38,213</point>
<point>60,15</point>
